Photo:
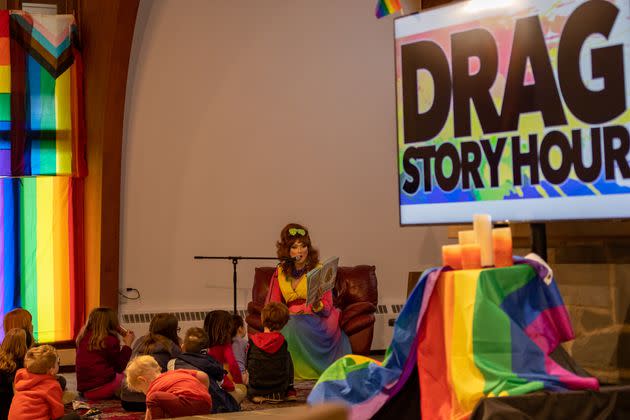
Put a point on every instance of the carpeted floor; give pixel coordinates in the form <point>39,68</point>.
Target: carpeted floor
<point>108,409</point>
<point>111,409</point>
<point>303,388</point>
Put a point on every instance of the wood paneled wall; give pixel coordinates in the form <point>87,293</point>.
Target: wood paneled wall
<point>106,29</point>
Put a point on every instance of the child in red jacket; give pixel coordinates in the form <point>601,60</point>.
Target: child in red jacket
<point>176,393</point>
<point>37,391</point>
<point>100,358</point>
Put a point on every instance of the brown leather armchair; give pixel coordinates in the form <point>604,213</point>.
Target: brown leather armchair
<point>355,294</point>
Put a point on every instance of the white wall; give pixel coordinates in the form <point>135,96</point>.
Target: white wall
<point>242,116</point>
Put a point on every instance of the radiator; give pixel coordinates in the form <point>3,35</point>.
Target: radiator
<point>139,322</point>
<point>385,315</point>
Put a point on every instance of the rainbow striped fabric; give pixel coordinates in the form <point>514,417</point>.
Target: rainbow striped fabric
<point>41,98</point>
<point>386,7</point>
<point>5,94</point>
<point>42,242</point>
<point>471,334</point>
<point>42,134</point>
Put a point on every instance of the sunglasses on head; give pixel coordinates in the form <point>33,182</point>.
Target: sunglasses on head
<point>296,231</point>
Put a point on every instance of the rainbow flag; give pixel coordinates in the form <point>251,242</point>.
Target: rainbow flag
<point>41,96</point>
<point>41,235</point>
<point>42,133</point>
<point>5,94</point>
<point>471,334</point>
<point>386,7</point>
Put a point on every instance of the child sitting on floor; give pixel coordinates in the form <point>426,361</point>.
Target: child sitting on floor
<point>239,345</point>
<point>218,326</point>
<point>37,392</point>
<point>176,393</point>
<point>268,360</point>
<point>100,358</point>
<point>162,343</point>
<point>194,357</point>
<point>21,318</point>
<point>11,359</point>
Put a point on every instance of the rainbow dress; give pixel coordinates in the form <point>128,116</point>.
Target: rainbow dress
<point>315,339</point>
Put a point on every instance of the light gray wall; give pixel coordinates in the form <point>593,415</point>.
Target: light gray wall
<point>242,116</point>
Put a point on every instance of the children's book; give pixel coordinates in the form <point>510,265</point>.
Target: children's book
<point>321,279</point>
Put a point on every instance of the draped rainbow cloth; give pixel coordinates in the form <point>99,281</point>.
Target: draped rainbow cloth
<point>471,334</point>
<point>42,154</point>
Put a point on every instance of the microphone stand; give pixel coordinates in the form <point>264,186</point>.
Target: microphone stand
<point>234,263</point>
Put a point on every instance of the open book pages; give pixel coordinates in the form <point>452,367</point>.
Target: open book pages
<point>321,279</point>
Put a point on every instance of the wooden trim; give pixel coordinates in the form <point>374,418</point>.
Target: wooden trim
<point>68,344</point>
<point>427,4</point>
<point>106,29</point>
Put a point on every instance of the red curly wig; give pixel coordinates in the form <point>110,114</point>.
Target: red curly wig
<point>292,233</point>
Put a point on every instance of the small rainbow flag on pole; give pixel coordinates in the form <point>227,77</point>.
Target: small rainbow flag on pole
<point>386,7</point>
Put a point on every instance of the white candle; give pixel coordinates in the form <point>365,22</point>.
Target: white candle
<point>482,224</point>
<point>466,237</point>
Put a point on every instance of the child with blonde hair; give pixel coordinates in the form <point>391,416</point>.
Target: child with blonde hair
<point>176,393</point>
<point>162,342</point>
<point>38,394</point>
<point>100,358</point>
<point>12,355</point>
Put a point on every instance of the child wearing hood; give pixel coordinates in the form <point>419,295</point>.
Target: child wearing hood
<point>269,362</point>
<point>38,395</point>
